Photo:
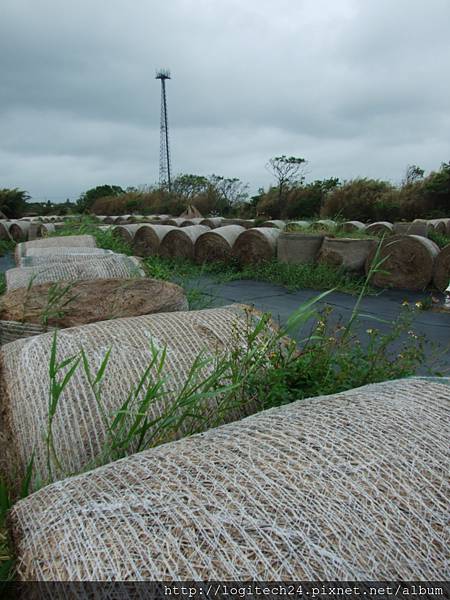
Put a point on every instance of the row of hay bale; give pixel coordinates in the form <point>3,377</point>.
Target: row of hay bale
<point>405,261</point>
<point>199,243</point>
<point>22,230</point>
<point>260,498</point>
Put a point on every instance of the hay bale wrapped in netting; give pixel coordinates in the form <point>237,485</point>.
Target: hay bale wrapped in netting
<point>82,302</point>
<point>438,225</point>
<point>380,228</point>
<point>350,254</point>
<point>148,238</point>
<point>298,224</point>
<point>126,233</point>
<point>326,224</point>
<point>352,226</point>
<point>348,487</point>
<point>19,230</point>
<point>180,243</point>
<point>190,222</point>
<point>441,274</point>
<point>175,222</point>
<point>299,248</point>
<point>66,257</point>
<point>217,245</point>
<point>37,230</point>
<point>417,227</point>
<point>69,241</point>
<point>109,220</point>
<point>408,262</point>
<point>275,223</point>
<point>212,222</point>
<point>4,230</point>
<point>80,430</point>
<point>247,223</point>
<point>115,266</point>
<point>256,245</point>
<point>10,331</point>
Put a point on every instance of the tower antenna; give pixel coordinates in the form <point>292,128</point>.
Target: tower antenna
<point>164,152</point>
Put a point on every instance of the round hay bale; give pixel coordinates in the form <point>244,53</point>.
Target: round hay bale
<point>58,258</point>
<point>148,238</point>
<point>79,427</point>
<point>408,262</point>
<point>439,226</point>
<point>417,227</point>
<point>180,243</point>
<point>19,230</point>
<point>326,224</point>
<point>380,228</point>
<point>190,222</point>
<point>69,241</point>
<point>298,248</point>
<point>350,254</point>
<point>353,226</point>
<point>126,233</point>
<point>217,245</point>
<point>49,228</point>
<point>275,223</point>
<point>256,245</point>
<point>441,274</point>
<point>212,222</point>
<point>247,223</point>
<point>58,252</point>
<point>37,230</point>
<point>300,224</point>
<point>347,487</point>
<point>4,230</point>
<point>115,266</point>
<point>83,302</point>
<point>176,222</point>
<point>10,331</point>
<point>109,220</point>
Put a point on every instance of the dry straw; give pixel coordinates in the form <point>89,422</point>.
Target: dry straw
<point>11,331</point>
<point>80,429</point>
<point>148,238</point>
<point>217,245</point>
<point>408,262</point>
<point>348,487</point>
<point>256,245</point>
<point>180,243</point>
<point>114,266</point>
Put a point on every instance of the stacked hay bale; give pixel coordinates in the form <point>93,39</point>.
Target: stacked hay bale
<point>217,245</point>
<point>408,262</point>
<point>347,487</point>
<point>190,222</point>
<point>63,256</point>
<point>19,230</point>
<point>441,273</point>
<point>416,227</point>
<point>293,225</point>
<point>326,224</point>
<point>176,222</point>
<point>353,227</point>
<point>148,238</point>
<point>212,222</point>
<point>79,426</point>
<point>70,241</point>
<point>247,223</point>
<point>180,243</point>
<point>256,245</point>
<point>275,223</point>
<point>126,233</point>
<point>115,266</point>
<point>346,253</point>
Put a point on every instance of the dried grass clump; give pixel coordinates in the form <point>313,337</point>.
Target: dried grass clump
<point>347,487</point>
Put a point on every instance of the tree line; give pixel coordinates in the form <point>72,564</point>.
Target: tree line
<point>290,196</point>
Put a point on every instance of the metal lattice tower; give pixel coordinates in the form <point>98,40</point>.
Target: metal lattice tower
<point>164,152</point>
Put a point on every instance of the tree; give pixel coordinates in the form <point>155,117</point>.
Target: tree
<point>186,186</point>
<point>13,202</point>
<point>287,171</point>
<point>86,200</point>
<point>413,174</point>
<point>229,191</point>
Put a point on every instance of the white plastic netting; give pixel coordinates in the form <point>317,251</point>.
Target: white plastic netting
<point>53,242</point>
<point>64,257</point>
<point>352,486</point>
<point>115,266</point>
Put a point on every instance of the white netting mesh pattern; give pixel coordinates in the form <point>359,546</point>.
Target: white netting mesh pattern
<point>66,257</point>
<point>352,486</point>
<point>68,240</point>
<point>115,266</point>
<point>79,429</point>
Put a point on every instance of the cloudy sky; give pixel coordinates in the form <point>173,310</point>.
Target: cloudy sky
<point>358,87</point>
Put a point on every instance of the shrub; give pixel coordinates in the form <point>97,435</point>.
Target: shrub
<point>357,199</point>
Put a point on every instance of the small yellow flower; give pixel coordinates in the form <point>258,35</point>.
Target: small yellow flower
<point>419,304</point>
<point>405,303</point>
<point>369,331</point>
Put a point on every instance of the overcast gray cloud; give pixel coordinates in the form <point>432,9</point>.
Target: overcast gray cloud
<point>358,87</point>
